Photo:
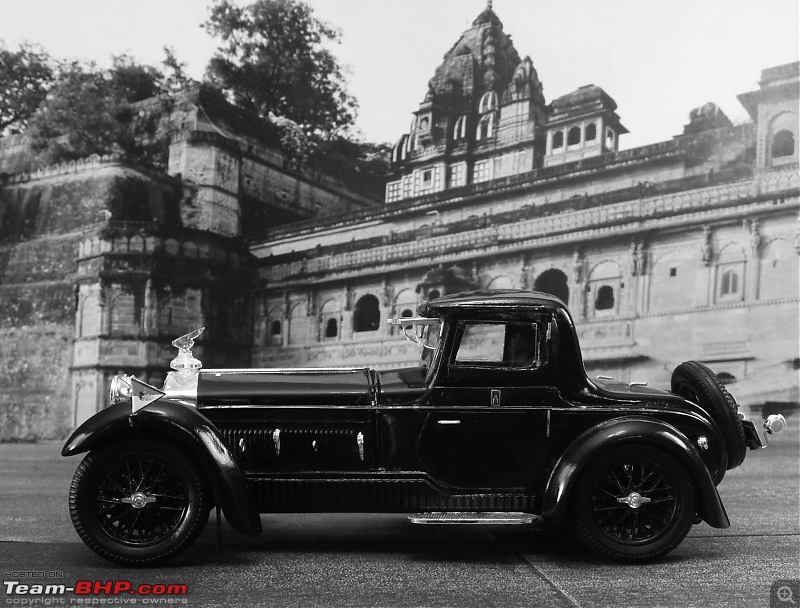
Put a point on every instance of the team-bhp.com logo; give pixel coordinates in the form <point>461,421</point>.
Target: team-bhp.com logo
<point>15,588</point>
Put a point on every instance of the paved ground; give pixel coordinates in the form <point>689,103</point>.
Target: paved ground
<point>382,560</point>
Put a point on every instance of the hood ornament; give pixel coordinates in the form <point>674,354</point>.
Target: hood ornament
<point>185,363</point>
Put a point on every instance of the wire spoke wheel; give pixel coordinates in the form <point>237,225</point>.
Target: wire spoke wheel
<point>633,504</point>
<point>633,501</point>
<point>139,501</point>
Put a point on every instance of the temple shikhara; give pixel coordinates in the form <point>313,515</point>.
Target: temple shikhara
<point>681,249</point>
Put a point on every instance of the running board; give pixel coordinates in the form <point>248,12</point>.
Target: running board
<point>471,517</point>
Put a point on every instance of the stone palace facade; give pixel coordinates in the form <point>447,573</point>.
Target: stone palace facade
<point>683,249</point>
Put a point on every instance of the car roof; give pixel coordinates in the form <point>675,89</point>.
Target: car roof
<point>491,299</point>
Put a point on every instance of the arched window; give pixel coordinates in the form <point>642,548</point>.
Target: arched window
<point>555,283</point>
<point>274,333</point>
<point>460,128</point>
<point>783,144</point>
<point>605,298</point>
<point>367,314</point>
<point>730,283</point>
<point>558,140</point>
<point>433,294</point>
<point>485,127</point>
<point>407,313</point>
<point>488,102</point>
<point>331,328</point>
<point>590,132</point>
<point>574,136</point>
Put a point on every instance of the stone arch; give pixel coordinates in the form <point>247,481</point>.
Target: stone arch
<point>500,282</point>
<point>605,283</point>
<point>190,250</point>
<point>574,136</point>
<point>732,251</point>
<point>782,137</point>
<point>405,303</point>
<point>488,102</point>
<point>120,243</point>
<point>172,247</point>
<point>298,324</point>
<point>136,243</point>
<point>330,317</point>
<point>554,282</point>
<point>273,327</point>
<point>604,270</point>
<point>730,271</point>
<point>486,127</point>
<point>558,140</point>
<point>366,314</point>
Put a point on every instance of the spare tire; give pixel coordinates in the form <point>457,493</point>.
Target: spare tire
<point>695,382</point>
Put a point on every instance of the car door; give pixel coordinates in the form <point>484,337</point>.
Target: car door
<point>488,425</point>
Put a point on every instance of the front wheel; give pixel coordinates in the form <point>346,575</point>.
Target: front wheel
<point>633,504</point>
<point>139,502</point>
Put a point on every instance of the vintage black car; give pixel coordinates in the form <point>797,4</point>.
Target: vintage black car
<point>498,423</point>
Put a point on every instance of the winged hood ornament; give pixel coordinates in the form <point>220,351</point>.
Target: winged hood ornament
<point>185,362</point>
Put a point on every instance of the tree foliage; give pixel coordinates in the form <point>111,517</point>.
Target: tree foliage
<point>273,58</point>
<point>94,111</point>
<point>25,76</point>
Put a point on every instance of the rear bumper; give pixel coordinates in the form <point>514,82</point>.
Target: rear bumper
<point>756,435</point>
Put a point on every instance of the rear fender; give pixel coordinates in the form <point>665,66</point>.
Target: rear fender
<point>625,431</point>
<point>194,432</point>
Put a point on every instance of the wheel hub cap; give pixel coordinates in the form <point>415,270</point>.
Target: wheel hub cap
<point>138,500</point>
<point>634,500</point>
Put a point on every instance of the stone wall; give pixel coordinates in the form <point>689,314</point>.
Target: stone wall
<point>44,217</point>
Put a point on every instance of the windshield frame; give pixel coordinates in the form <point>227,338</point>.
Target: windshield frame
<point>419,330</point>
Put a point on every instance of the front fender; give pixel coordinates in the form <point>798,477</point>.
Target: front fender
<point>624,431</point>
<point>191,430</point>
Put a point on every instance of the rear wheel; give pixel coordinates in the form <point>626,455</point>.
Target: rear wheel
<point>697,383</point>
<point>633,504</point>
<point>139,502</point>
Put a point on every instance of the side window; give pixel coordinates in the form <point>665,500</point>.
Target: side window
<point>481,343</point>
<point>509,345</point>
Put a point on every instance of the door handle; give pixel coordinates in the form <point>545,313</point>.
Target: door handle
<point>449,422</point>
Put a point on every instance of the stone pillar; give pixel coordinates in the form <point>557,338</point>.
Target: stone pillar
<point>753,268</point>
<point>150,310</point>
<point>577,303</point>
<point>704,278</point>
<point>106,305</point>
